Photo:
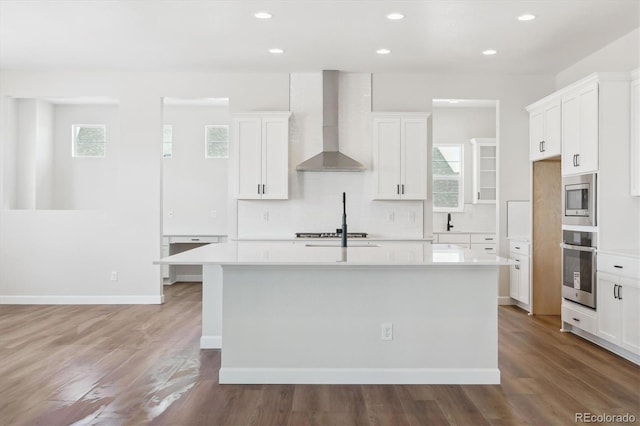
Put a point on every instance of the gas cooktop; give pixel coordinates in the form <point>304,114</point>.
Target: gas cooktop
<point>330,234</point>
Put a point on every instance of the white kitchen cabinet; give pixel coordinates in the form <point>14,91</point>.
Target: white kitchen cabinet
<point>484,170</point>
<point>461,240</point>
<point>520,280</point>
<point>580,121</point>
<point>635,136</point>
<point>618,290</point>
<point>261,149</point>
<point>545,132</point>
<point>400,156</point>
<point>484,243</point>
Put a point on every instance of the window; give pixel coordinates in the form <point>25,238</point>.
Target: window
<point>216,141</point>
<point>167,141</point>
<point>448,179</point>
<point>88,140</point>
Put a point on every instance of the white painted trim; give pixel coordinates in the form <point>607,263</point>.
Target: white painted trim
<point>369,376</point>
<point>188,278</point>
<point>82,300</point>
<point>504,300</point>
<point>210,342</point>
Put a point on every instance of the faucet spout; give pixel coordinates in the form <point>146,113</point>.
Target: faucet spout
<point>449,224</point>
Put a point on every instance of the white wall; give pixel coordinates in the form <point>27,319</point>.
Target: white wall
<point>193,187</point>
<point>25,177</point>
<point>44,155</point>
<point>85,183</point>
<point>459,125</point>
<point>620,55</point>
<point>62,256</point>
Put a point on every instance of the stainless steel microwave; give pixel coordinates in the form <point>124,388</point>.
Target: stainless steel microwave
<point>579,200</point>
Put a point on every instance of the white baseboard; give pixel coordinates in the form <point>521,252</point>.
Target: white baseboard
<point>504,300</point>
<point>622,352</point>
<point>82,300</point>
<point>210,342</point>
<point>187,278</point>
<point>369,376</point>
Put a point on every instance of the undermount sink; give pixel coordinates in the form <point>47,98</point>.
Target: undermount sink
<point>338,245</point>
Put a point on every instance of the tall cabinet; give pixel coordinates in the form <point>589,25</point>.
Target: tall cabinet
<point>580,121</point>
<point>545,133</point>
<point>261,147</point>
<point>400,156</point>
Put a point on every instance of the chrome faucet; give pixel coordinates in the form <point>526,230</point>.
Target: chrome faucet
<point>449,225</point>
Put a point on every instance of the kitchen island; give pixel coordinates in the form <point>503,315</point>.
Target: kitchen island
<point>290,312</point>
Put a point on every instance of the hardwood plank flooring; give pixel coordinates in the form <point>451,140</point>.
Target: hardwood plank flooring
<point>130,365</point>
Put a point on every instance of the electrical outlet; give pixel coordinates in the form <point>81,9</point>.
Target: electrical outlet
<point>265,216</point>
<point>170,213</point>
<point>114,275</point>
<point>386,331</point>
<point>412,217</point>
<point>391,216</point>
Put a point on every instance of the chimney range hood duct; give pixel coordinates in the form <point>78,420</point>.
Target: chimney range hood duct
<point>330,159</point>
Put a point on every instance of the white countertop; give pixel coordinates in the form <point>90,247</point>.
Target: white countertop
<point>356,254</point>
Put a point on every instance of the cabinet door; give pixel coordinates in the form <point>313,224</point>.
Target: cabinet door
<point>413,159</point>
<point>587,159</point>
<point>275,158</point>
<point>523,280</point>
<point>635,138</point>
<point>536,134</point>
<point>248,152</point>
<point>386,158</point>
<point>570,133</point>
<point>552,146</point>
<point>514,280</point>
<point>630,300</point>
<point>608,308</point>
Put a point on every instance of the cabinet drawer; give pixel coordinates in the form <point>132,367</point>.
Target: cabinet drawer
<point>485,248</point>
<point>453,238</point>
<point>193,239</point>
<point>618,265</point>
<point>520,247</point>
<point>483,238</point>
<point>586,321</point>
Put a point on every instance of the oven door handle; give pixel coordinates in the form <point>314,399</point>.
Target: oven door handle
<point>579,248</point>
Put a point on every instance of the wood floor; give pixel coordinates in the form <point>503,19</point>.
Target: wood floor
<point>114,365</point>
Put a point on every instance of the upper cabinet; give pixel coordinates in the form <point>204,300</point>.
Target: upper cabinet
<point>484,170</point>
<point>544,130</point>
<point>400,156</point>
<point>580,129</point>
<point>635,136</point>
<point>261,146</point>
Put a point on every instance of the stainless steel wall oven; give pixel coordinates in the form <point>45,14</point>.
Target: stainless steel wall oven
<point>579,267</point>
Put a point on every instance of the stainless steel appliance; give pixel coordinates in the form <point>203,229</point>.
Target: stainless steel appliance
<point>579,200</point>
<point>579,267</point>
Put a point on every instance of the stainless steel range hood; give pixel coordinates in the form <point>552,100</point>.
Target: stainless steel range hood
<point>330,159</point>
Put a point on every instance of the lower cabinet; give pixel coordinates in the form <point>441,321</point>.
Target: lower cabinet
<point>481,242</point>
<point>519,277</point>
<point>619,310</point>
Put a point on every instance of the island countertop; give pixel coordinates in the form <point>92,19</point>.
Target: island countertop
<point>358,253</point>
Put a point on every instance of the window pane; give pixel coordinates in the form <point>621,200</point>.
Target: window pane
<point>445,193</point>
<point>88,140</point>
<point>217,141</point>
<point>446,160</point>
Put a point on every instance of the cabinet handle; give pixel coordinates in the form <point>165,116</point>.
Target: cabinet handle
<point>263,189</point>
<point>574,160</point>
<point>195,239</point>
<point>488,248</point>
<point>258,188</point>
<point>488,239</point>
<point>577,160</point>
<point>517,248</point>
<point>618,266</point>
<point>619,295</point>
<point>615,287</point>
<point>542,146</point>
<point>403,188</point>
<point>576,319</point>
<point>398,189</point>
<point>478,195</point>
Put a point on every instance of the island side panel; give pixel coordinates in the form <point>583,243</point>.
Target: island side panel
<point>323,325</point>
<point>211,307</point>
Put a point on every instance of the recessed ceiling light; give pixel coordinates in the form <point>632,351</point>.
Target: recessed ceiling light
<point>263,15</point>
<point>276,50</point>
<point>395,16</point>
<point>489,52</point>
<point>383,51</point>
<point>526,17</point>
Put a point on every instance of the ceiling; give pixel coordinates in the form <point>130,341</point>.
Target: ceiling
<point>439,36</point>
